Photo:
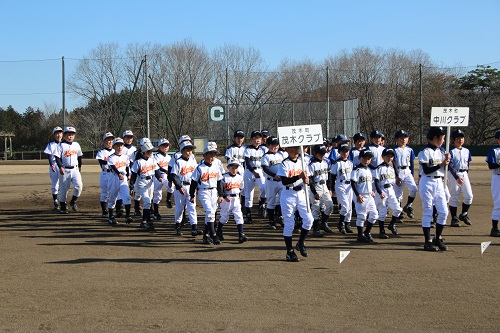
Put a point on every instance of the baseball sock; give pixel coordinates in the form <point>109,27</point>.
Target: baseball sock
<point>439,230</point>
<point>155,208</point>
<point>427,233</point>
<point>137,205</point>
<point>494,224</point>
<point>103,206</point>
<point>111,212</point>
<point>219,227</point>
<point>303,235</point>
<point>410,201</point>
<point>381,226</point>
<point>335,201</point>
<point>127,210</point>
<point>360,231</point>
<point>240,228</point>
<point>288,243</point>
<point>465,208</point>
<point>73,200</point>
<point>54,197</point>
<point>206,230</point>
<point>453,211</point>
<point>211,225</point>
<point>169,196</point>
<point>369,226</point>
<point>270,215</point>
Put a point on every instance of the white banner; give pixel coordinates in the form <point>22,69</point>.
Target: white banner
<point>449,116</point>
<point>304,135</point>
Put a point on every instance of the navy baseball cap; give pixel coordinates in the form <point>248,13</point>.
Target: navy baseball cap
<point>359,136</point>
<point>264,133</point>
<point>376,133</point>
<point>435,131</point>
<point>272,140</point>
<point>401,134</point>
<point>344,147</point>
<point>388,151</point>
<point>366,153</point>
<point>239,133</point>
<point>497,135</point>
<point>456,133</point>
<point>319,149</point>
<point>340,137</point>
<point>255,134</point>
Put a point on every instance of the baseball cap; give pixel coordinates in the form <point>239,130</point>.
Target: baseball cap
<point>359,136</point>
<point>388,151</point>
<point>272,140</point>
<point>233,161</point>
<point>341,137</point>
<point>186,144</point>
<point>435,131</point>
<point>497,135</point>
<point>376,133</point>
<point>69,129</point>
<point>456,133</point>
<point>127,133</point>
<point>143,141</point>
<point>366,153</point>
<point>264,133</point>
<point>344,147</point>
<point>117,140</point>
<point>239,133</point>
<point>107,135</point>
<point>163,142</point>
<point>255,134</point>
<point>319,149</point>
<point>184,138</point>
<point>57,129</point>
<point>147,146</point>
<point>401,134</point>
<point>210,147</point>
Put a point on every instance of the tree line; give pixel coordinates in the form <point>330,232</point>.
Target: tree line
<point>184,78</point>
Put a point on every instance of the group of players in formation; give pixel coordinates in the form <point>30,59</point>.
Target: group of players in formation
<point>297,191</point>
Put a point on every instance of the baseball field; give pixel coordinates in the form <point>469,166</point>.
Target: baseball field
<point>76,273</point>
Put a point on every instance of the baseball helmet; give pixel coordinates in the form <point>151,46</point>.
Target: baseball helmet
<point>456,133</point>
<point>401,134</point>
<point>435,131</point>
<point>388,151</point>
<point>376,133</point>
<point>359,136</point>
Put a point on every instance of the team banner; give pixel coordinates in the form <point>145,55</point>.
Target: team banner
<point>450,116</point>
<point>303,135</point>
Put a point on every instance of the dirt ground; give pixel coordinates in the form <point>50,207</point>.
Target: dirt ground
<point>76,273</point>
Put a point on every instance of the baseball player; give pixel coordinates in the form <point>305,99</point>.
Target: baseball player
<point>51,150</point>
<point>136,155</point>
<point>270,163</point>
<point>141,180</point>
<point>207,179</point>
<point>362,186</point>
<point>292,199</point>
<point>385,179</point>
<point>376,148</point>
<point>129,151</point>
<point>180,174</point>
<point>341,171</point>
<point>119,175</point>
<point>232,183</point>
<point>432,160</point>
<point>319,170</point>
<point>359,144</point>
<point>69,160</point>
<point>102,158</point>
<point>493,160</point>
<point>332,156</point>
<point>253,173</point>
<point>458,179</point>
<point>404,166</point>
<point>162,159</point>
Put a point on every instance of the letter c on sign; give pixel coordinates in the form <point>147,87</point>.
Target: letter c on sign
<point>217,113</point>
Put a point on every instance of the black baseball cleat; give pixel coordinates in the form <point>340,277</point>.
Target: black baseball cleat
<point>291,256</point>
<point>56,205</point>
<point>263,210</point>
<point>271,226</point>
<point>369,236</point>
<point>341,228</point>
<point>302,249</point>
<point>465,219</point>
<point>194,232</point>
<point>495,232</point>
<point>242,238</point>
<point>74,206</point>
<point>455,222</point>
<point>169,204</point>
<point>178,232</point>
<point>429,247</point>
<point>207,240</point>
<point>216,241</point>
<point>220,235</point>
<point>324,226</point>
<point>137,213</point>
<point>363,239</point>
<point>143,225</point>
<point>393,229</point>
<point>439,243</point>
<point>150,226</point>
<point>409,211</point>
<point>129,220</point>
<point>383,235</point>
<point>112,220</point>
<point>317,234</point>
<point>348,228</point>
<point>157,217</point>
<point>104,214</point>
<point>249,219</point>
<point>63,211</point>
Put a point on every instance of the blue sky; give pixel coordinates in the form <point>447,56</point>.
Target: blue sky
<point>455,33</point>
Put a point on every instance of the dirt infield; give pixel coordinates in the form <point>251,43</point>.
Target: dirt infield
<point>75,273</point>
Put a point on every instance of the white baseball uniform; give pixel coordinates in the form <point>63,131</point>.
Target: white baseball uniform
<point>51,151</point>
<point>118,188</point>
<point>162,160</point>
<point>493,157</point>
<point>69,154</point>
<point>145,170</point>
<point>104,177</point>
<point>253,156</point>
<point>404,158</point>
<point>183,169</point>
<point>270,162</point>
<point>206,176</point>
<point>459,168</point>
<point>231,186</point>
<point>362,179</point>
<point>385,179</point>
<point>341,172</point>
<point>318,173</point>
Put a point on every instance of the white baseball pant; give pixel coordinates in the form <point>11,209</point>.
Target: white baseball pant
<point>389,201</point>
<point>366,210</point>
<point>182,200</point>
<point>231,207</point>
<point>432,193</point>
<point>456,189</point>
<point>292,201</point>
<point>71,176</point>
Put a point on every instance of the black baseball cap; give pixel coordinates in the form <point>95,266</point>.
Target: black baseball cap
<point>388,151</point>
<point>359,136</point>
<point>456,133</point>
<point>255,134</point>
<point>239,133</point>
<point>376,133</point>
<point>366,153</point>
<point>264,132</point>
<point>319,149</point>
<point>272,140</point>
<point>344,147</point>
<point>401,134</point>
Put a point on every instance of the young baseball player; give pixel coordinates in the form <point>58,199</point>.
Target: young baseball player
<point>207,179</point>
<point>341,171</point>
<point>359,144</point>
<point>404,166</point>
<point>232,182</point>
<point>270,164</point>
<point>493,160</point>
<point>69,160</point>
<point>236,150</point>
<point>51,151</point>
<point>361,184</point>
<point>129,150</point>
<point>385,179</point>
<point>119,175</point>
<point>102,158</point>
<point>141,180</point>
<point>458,179</point>
<point>376,148</point>
<point>180,174</point>
<point>161,158</point>
<point>319,170</point>
<point>253,173</point>
<point>293,198</point>
<point>432,160</point>
<point>136,155</point>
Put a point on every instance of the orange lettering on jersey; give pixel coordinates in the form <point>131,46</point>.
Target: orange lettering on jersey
<point>230,186</point>
<point>186,169</point>
<point>163,164</point>
<point>68,153</point>
<point>292,173</point>
<point>120,164</point>
<point>206,176</point>
<point>147,168</point>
